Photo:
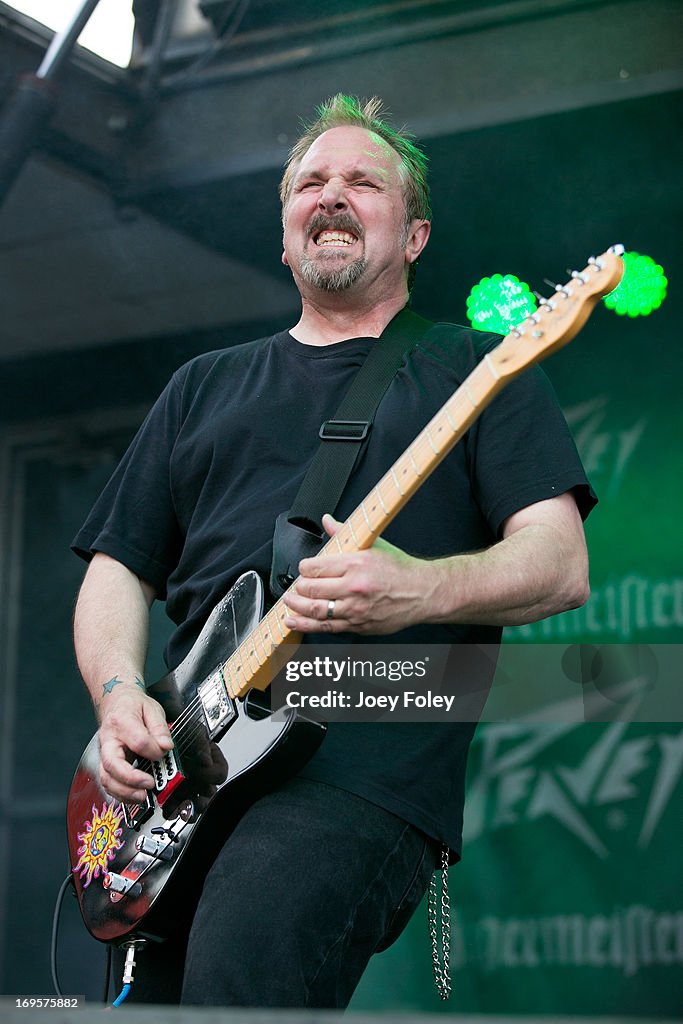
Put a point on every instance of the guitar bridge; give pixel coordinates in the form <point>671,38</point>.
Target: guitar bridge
<point>219,709</point>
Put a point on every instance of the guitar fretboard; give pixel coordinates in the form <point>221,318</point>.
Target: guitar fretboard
<point>256,661</point>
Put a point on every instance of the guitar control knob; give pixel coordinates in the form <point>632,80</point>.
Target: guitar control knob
<point>154,847</point>
<point>125,886</point>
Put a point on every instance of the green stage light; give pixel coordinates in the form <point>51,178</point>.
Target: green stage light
<point>499,303</point>
<point>641,290</point>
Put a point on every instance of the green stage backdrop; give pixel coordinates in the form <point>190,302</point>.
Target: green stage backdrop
<point>568,897</point>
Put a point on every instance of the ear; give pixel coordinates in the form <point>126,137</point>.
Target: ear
<point>418,234</point>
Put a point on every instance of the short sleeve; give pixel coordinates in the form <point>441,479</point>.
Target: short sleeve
<point>134,519</point>
<point>521,451</point>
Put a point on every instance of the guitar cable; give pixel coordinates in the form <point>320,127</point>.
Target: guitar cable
<point>131,947</point>
<point>107,975</point>
<point>53,944</point>
<point>123,994</point>
<point>55,929</point>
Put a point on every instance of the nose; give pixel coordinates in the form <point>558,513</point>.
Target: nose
<point>332,197</point>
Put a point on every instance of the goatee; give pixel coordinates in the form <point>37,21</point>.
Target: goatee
<point>330,279</point>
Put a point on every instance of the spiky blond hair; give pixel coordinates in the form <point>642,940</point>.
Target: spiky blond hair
<point>342,110</point>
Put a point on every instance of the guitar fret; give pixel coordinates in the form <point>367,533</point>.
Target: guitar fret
<point>489,362</point>
<point>467,391</point>
<point>270,632</point>
<point>353,533</point>
<point>381,501</point>
<point>450,420</point>
<point>277,619</point>
<point>247,666</point>
<point>247,673</point>
<point>431,443</point>
<point>254,652</point>
<point>239,667</point>
<point>395,479</point>
<point>369,525</point>
<point>412,459</point>
<point>234,681</point>
<point>256,636</point>
<point>259,633</point>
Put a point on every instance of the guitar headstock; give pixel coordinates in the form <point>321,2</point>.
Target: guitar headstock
<point>558,319</point>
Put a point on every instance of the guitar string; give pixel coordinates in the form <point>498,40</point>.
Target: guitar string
<point>180,747</point>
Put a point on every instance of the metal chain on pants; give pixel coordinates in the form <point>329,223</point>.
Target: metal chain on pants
<point>441,959</point>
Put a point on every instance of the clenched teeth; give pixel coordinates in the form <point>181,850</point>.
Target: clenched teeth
<point>335,238</point>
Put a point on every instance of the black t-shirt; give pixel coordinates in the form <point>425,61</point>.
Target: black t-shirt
<point>223,451</point>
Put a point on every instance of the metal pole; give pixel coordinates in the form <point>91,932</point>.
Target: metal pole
<point>29,109</point>
<point>63,42</point>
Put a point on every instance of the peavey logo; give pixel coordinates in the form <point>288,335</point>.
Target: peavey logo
<point>604,453</point>
<point>509,787</point>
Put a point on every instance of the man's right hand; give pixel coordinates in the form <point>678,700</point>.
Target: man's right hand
<point>132,724</point>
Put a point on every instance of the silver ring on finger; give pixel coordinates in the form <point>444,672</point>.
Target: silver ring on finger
<point>330,609</point>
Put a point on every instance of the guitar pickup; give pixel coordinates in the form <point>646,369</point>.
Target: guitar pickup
<point>219,709</point>
<point>167,776</point>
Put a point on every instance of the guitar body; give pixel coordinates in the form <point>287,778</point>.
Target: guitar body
<point>227,753</point>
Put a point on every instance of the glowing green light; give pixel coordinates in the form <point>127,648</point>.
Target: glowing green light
<point>641,290</point>
<point>499,303</point>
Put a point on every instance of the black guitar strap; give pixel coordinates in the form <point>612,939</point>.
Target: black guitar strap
<point>299,532</point>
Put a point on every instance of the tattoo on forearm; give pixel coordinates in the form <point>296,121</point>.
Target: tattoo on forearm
<point>109,686</point>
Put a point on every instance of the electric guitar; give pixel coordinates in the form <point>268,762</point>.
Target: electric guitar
<point>128,860</point>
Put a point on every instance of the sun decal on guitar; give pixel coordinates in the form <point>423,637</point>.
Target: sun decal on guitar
<point>101,839</point>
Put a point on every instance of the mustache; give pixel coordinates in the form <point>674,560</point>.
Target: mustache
<point>340,222</point>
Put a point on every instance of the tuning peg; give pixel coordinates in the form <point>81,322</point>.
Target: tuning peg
<point>617,250</point>
<point>562,288</point>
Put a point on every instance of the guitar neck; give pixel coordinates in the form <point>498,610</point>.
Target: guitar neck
<point>369,520</point>
<point>264,652</point>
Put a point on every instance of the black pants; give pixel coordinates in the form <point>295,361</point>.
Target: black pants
<point>310,884</point>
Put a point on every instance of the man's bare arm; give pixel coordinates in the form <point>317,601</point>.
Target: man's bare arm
<point>111,632</point>
<point>539,568</point>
